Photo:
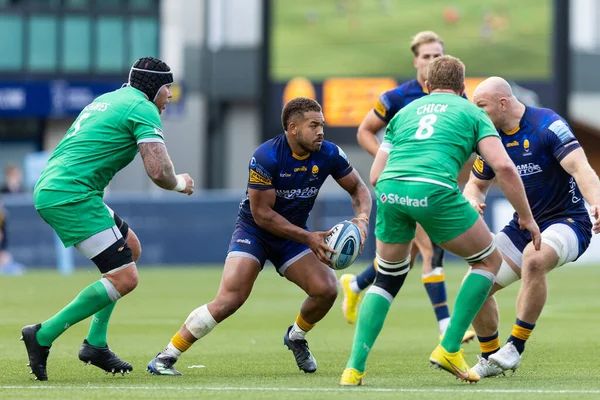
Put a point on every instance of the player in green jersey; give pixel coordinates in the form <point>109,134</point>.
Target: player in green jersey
<point>425,146</point>
<point>104,138</point>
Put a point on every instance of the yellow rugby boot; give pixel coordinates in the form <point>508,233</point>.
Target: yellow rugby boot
<point>351,377</point>
<point>351,299</point>
<point>469,336</point>
<point>454,363</point>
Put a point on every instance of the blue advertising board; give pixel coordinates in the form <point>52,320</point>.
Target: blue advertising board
<point>61,98</point>
<point>54,98</point>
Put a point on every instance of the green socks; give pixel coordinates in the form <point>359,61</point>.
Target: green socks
<point>97,334</point>
<point>471,296</point>
<point>371,316</point>
<point>89,301</point>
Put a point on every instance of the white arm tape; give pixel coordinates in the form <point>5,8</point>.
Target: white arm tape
<point>180,184</point>
<point>386,147</point>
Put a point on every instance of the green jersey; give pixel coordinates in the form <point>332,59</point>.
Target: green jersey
<point>103,140</point>
<point>430,139</point>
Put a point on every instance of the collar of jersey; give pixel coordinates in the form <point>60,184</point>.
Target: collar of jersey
<point>297,157</point>
<point>513,131</point>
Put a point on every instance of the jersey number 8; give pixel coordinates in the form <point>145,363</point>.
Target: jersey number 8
<point>425,129</point>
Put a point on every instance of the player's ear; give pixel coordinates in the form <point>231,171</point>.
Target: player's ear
<point>463,88</point>
<point>415,61</point>
<point>292,126</point>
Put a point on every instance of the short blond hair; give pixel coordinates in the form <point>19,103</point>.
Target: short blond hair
<point>424,37</point>
<point>446,72</point>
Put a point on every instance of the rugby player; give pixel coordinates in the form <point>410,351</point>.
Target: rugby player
<point>415,173</point>
<point>557,178</point>
<point>104,139</point>
<point>285,175</point>
<point>426,47</point>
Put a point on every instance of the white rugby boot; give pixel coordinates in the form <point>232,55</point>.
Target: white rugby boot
<point>507,357</point>
<point>486,369</point>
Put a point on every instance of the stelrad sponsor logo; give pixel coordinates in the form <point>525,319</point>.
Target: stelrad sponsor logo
<point>393,198</point>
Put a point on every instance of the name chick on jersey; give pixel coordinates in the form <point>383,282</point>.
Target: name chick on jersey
<point>432,108</point>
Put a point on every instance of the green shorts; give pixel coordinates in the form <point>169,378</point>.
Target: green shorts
<point>75,222</point>
<point>443,213</point>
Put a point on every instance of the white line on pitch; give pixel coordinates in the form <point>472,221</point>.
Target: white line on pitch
<point>276,389</point>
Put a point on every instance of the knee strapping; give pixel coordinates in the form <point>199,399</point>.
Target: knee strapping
<point>200,322</point>
<point>483,254</point>
<point>506,276</point>
<point>391,275</point>
<point>558,242</point>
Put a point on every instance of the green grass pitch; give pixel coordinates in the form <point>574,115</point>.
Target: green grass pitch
<point>244,357</point>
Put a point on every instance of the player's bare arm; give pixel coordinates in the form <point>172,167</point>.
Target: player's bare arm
<point>379,163</point>
<point>476,191</point>
<point>361,201</point>
<point>367,132</point>
<point>261,205</point>
<point>492,150</point>
<point>577,165</point>
<point>160,169</point>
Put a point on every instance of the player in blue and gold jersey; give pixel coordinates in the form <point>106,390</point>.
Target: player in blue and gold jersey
<point>557,178</point>
<point>285,175</point>
<point>426,47</point>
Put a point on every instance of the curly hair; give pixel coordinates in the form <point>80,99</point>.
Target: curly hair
<point>297,107</point>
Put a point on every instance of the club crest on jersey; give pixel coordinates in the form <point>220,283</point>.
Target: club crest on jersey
<point>315,170</point>
<point>526,147</point>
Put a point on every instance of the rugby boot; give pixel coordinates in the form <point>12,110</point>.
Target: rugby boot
<point>162,364</point>
<point>38,354</point>
<point>304,358</point>
<point>103,358</point>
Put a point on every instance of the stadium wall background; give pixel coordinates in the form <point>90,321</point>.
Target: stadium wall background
<point>194,231</point>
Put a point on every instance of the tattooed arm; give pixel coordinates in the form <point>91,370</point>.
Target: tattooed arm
<point>160,169</point>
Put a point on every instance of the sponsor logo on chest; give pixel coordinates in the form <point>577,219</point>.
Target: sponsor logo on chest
<point>305,193</point>
<point>529,169</point>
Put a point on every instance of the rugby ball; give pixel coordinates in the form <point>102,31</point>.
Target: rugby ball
<point>345,240</point>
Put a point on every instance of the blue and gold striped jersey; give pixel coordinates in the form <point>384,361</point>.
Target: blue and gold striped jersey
<point>295,179</point>
<point>394,100</point>
<point>537,146</point>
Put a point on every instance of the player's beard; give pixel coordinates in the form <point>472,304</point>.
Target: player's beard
<point>309,147</point>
